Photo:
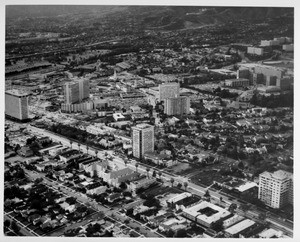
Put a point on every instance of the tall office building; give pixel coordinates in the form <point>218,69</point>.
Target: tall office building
<point>142,139</point>
<point>168,90</point>
<point>276,189</point>
<point>177,106</point>
<point>76,91</point>
<point>16,104</point>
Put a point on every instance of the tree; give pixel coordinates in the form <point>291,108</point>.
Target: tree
<point>159,174</point>
<point>207,194</point>
<point>71,142</point>
<point>170,234</point>
<point>148,169</point>
<point>241,165</point>
<point>185,185</point>
<point>154,173</point>
<point>217,226</point>
<point>7,223</point>
<point>17,148</point>
<point>123,185</point>
<point>136,166</point>
<point>179,185</point>
<point>172,181</point>
<point>181,233</point>
<point>15,227</point>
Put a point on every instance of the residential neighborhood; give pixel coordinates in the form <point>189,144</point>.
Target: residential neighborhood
<point>155,128</point>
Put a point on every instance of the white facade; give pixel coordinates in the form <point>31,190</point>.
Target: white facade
<point>168,90</point>
<point>288,47</point>
<point>142,139</point>
<point>241,82</point>
<point>76,91</point>
<point>276,189</point>
<point>177,106</point>
<point>255,50</point>
<point>16,104</point>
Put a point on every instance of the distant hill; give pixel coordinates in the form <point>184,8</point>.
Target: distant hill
<point>15,11</point>
<point>157,17</point>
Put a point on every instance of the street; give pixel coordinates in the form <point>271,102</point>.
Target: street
<point>166,177</point>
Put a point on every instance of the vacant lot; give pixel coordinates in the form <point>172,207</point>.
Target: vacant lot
<point>161,190</point>
<point>180,169</point>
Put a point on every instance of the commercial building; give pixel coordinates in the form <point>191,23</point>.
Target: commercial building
<point>177,106</point>
<point>269,42</point>
<point>276,189</point>
<point>76,91</point>
<point>289,48</point>
<point>77,107</point>
<point>238,228</point>
<point>241,82</point>
<point>243,73</point>
<point>141,182</point>
<point>276,41</point>
<point>205,213</point>
<point>16,104</point>
<point>232,220</point>
<point>142,139</point>
<point>168,90</point>
<point>255,50</point>
<point>261,74</point>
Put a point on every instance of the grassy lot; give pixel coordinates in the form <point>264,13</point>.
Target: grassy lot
<point>161,190</point>
<point>180,169</point>
<point>207,176</point>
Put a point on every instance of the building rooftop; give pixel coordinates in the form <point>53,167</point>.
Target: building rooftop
<point>279,175</point>
<point>122,172</point>
<point>179,197</point>
<point>142,126</point>
<point>269,233</point>
<point>214,214</point>
<point>16,93</point>
<point>239,226</point>
<point>246,186</point>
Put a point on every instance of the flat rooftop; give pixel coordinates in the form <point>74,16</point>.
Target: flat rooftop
<point>16,93</point>
<point>279,175</point>
<point>211,213</point>
<point>142,126</point>
<point>240,226</point>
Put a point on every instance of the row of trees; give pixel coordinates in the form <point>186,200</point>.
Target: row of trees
<point>272,101</point>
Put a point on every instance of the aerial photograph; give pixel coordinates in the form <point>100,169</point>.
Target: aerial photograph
<point>148,121</point>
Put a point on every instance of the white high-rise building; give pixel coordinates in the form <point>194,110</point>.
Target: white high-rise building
<point>142,139</point>
<point>177,106</point>
<point>168,90</point>
<point>276,189</point>
<point>76,91</point>
<point>16,104</point>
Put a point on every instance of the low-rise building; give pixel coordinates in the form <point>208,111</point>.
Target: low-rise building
<point>205,213</point>
<point>241,82</point>
<point>255,50</point>
<point>232,220</point>
<point>25,151</point>
<point>238,228</point>
<point>141,182</point>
